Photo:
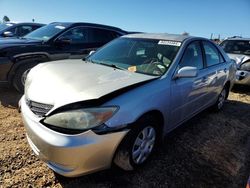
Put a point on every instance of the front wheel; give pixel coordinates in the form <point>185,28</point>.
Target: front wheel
<point>138,145</point>
<point>21,75</point>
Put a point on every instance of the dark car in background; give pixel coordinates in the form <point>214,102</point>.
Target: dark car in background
<point>238,49</point>
<point>54,41</point>
<point>11,29</point>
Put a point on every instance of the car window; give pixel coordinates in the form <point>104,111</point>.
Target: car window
<point>192,56</point>
<point>34,27</point>
<point>5,25</point>
<point>77,35</point>
<point>24,29</point>
<point>101,35</point>
<point>13,30</point>
<point>211,54</point>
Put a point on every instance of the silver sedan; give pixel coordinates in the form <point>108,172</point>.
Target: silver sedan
<point>116,105</point>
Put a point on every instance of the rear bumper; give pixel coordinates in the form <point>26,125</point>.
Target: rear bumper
<point>70,155</point>
<point>243,77</point>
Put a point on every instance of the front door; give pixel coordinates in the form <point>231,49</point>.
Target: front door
<point>78,46</point>
<point>188,94</point>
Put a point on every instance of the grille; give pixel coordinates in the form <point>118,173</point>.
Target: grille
<point>39,109</point>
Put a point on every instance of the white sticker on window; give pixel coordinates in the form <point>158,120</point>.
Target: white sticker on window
<point>59,27</point>
<point>168,42</point>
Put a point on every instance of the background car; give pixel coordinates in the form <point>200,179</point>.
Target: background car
<point>115,106</point>
<point>238,49</point>
<point>52,42</point>
<point>12,29</point>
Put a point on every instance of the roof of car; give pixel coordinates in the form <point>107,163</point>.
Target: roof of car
<point>159,36</point>
<point>30,23</point>
<point>238,38</point>
<point>88,24</point>
<point>21,23</point>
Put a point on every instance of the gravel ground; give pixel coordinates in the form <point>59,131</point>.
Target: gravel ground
<point>210,150</point>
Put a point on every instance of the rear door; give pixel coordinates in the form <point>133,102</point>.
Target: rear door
<point>188,95</point>
<point>98,37</point>
<point>217,70</point>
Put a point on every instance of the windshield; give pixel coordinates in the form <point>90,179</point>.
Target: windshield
<point>236,46</point>
<point>145,56</point>
<point>46,32</point>
<point>4,26</point>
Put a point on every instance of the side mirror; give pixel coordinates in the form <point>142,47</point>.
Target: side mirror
<point>8,34</point>
<point>91,52</point>
<point>63,41</point>
<point>87,56</point>
<point>186,72</point>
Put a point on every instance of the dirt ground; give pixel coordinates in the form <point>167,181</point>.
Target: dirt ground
<point>211,150</point>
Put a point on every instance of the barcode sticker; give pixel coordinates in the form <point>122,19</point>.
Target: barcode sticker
<point>168,42</point>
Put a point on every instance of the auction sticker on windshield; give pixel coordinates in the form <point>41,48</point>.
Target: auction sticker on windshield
<point>168,42</point>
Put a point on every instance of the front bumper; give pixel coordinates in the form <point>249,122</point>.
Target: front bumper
<point>242,77</point>
<point>70,155</point>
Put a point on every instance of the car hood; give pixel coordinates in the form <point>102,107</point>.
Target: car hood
<point>239,58</point>
<point>68,81</point>
<point>9,42</point>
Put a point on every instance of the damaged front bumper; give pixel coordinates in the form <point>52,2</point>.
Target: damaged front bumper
<point>70,155</point>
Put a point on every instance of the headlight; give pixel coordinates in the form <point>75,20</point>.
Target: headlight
<point>245,66</point>
<point>81,119</point>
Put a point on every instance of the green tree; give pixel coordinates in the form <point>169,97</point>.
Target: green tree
<point>6,19</point>
<point>185,33</point>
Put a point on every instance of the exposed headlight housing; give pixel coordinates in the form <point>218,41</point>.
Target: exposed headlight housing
<point>245,66</point>
<point>80,119</point>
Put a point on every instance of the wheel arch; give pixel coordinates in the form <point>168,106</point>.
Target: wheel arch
<point>23,59</point>
<point>121,156</point>
<point>158,117</point>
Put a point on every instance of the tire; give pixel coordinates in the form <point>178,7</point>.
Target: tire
<point>221,99</point>
<point>136,149</point>
<point>20,76</point>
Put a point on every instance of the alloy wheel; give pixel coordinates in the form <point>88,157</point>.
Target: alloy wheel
<point>143,145</point>
<point>222,98</point>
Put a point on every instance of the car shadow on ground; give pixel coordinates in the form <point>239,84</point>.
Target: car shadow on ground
<point>9,97</point>
<point>242,89</point>
<point>210,150</point>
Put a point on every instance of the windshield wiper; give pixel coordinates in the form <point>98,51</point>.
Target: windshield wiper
<point>113,66</point>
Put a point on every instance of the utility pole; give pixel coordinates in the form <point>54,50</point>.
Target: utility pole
<point>211,37</point>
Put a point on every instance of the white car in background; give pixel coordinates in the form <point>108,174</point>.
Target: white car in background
<point>238,49</point>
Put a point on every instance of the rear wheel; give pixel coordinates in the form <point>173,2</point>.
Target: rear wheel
<point>137,147</point>
<point>221,99</point>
